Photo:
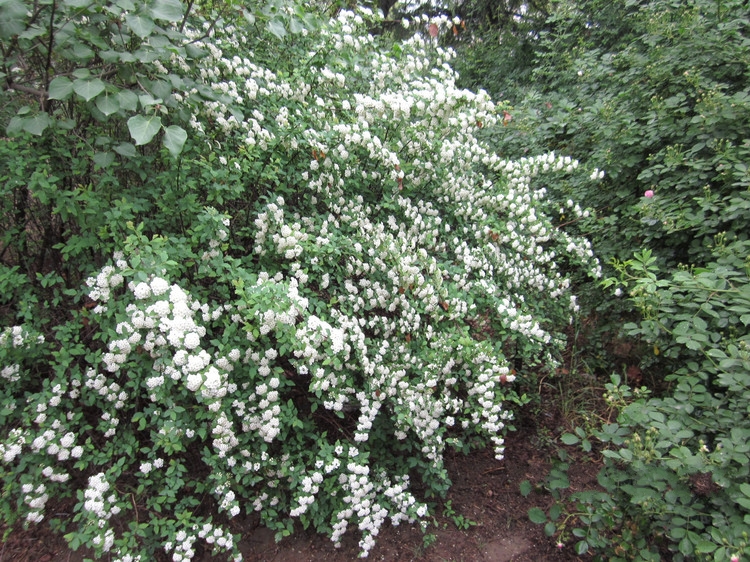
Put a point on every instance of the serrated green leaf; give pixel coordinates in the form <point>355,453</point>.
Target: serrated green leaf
<point>685,546</point>
<point>142,26</point>
<point>705,547</point>
<point>582,547</point>
<point>36,124</point>
<point>536,515</point>
<point>88,89</point>
<point>550,529</point>
<point>169,10</point>
<point>525,488</point>
<point>554,512</point>
<point>174,139</point>
<point>60,88</point>
<point>107,104</point>
<point>569,439</point>
<point>143,128</point>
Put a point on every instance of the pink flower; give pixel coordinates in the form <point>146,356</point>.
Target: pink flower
<point>735,558</point>
<point>649,193</point>
<point>559,545</point>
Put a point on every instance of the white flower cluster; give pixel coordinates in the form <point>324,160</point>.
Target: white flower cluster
<point>100,508</point>
<point>215,535</point>
<point>36,499</point>
<point>16,338</point>
<point>183,550</point>
<point>308,488</point>
<point>19,337</point>
<point>13,445</point>
<point>286,239</point>
<point>363,506</point>
<point>110,277</point>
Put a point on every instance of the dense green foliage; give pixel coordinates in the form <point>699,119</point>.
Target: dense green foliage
<point>655,93</point>
<point>256,262</point>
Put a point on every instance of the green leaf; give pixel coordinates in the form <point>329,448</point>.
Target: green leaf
<point>569,439</point>
<point>169,10</point>
<point>685,546</point>
<point>143,128</point>
<point>60,88</point>
<point>127,100</point>
<point>142,26</point>
<point>295,25</point>
<point>554,512</point>
<point>37,124</point>
<point>107,104</point>
<point>525,488</point>
<point>15,125</point>
<point>276,26</point>
<point>174,139</point>
<point>536,515</point>
<point>582,547</point>
<point>705,547</point>
<point>103,159</point>
<point>126,149</point>
<point>88,89</point>
<point>12,18</point>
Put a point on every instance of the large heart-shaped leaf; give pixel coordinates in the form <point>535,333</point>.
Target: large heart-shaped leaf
<point>60,88</point>
<point>169,10</point>
<point>276,26</point>
<point>174,139</point>
<point>142,26</point>
<point>12,18</point>
<point>108,104</point>
<point>37,124</point>
<point>88,89</point>
<point>143,128</point>
<point>126,149</point>
<point>127,100</point>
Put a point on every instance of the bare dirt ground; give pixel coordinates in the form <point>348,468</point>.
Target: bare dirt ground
<point>485,491</point>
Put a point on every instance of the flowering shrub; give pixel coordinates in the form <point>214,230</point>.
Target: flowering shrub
<point>334,283</point>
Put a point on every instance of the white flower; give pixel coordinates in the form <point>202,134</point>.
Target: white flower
<point>192,340</point>
<point>159,286</point>
<point>142,291</point>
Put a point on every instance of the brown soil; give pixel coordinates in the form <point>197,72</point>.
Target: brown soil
<point>485,491</point>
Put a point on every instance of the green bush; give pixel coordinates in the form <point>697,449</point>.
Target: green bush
<point>273,275</point>
<point>676,466</point>
<point>654,93</point>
